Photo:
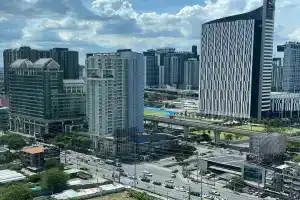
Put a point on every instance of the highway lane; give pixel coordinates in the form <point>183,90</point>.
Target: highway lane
<point>158,173</point>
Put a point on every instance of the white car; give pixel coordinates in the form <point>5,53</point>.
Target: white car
<point>182,189</point>
<point>169,181</point>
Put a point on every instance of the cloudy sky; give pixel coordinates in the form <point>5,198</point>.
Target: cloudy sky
<point>106,25</point>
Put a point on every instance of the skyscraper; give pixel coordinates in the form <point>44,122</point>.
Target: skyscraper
<point>191,74</point>
<point>40,102</point>
<point>114,92</point>
<point>152,69</point>
<point>291,66</point>
<point>68,61</point>
<point>236,64</point>
<point>11,55</point>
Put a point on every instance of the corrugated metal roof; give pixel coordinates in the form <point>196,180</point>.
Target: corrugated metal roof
<point>7,176</point>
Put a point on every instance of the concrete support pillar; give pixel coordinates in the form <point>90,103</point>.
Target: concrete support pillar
<point>155,126</point>
<point>217,137</point>
<point>46,128</point>
<point>186,131</point>
<point>62,127</point>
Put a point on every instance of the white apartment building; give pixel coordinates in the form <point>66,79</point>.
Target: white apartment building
<point>115,97</point>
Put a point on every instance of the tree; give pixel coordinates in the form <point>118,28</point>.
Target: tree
<point>49,164</point>
<point>206,137</point>
<point>16,192</point>
<point>16,143</point>
<point>54,180</point>
<point>34,178</point>
<point>296,158</point>
<point>237,136</point>
<point>228,137</point>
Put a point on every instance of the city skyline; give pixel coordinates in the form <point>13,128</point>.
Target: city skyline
<point>105,26</point>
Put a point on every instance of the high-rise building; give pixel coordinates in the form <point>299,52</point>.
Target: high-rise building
<point>277,75</point>
<point>11,55</point>
<point>152,69</point>
<point>291,66</point>
<point>236,64</point>
<point>68,61</point>
<point>194,51</point>
<point>191,74</point>
<point>114,93</point>
<point>40,102</point>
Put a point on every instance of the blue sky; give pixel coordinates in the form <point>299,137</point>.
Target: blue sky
<point>106,25</point>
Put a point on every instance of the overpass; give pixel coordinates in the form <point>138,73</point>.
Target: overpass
<point>207,126</point>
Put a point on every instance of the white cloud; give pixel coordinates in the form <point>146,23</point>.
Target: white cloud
<point>76,26</point>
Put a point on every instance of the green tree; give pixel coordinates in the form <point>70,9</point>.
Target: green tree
<point>228,137</point>
<point>49,164</point>
<point>296,158</point>
<point>34,178</point>
<point>54,180</point>
<point>16,192</point>
<point>16,143</point>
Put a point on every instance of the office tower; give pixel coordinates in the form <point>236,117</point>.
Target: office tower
<point>194,51</point>
<point>174,71</point>
<point>152,69</point>
<point>68,61</point>
<point>39,103</point>
<point>291,66</point>
<point>161,81</point>
<point>115,99</point>
<point>236,64</point>
<point>191,74</point>
<point>11,55</point>
<point>277,75</point>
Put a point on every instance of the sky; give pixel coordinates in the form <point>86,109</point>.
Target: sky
<point>108,25</point>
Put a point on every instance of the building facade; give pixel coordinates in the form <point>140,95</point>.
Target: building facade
<point>4,118</point>
<point>11,55</point>
<point>236,64</point>
<point>285,104</point>
<point>291,67</point>
<point>68,60</point>
<point>152,69</point>
<point>38,103</point>
<point>277,75</point>
<point>115,99</point>
<point>191,74</point>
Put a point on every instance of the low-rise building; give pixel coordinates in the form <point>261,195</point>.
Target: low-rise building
<point>34,157</point>
<point>4,118</point>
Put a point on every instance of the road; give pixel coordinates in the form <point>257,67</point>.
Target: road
<point>159,174</point>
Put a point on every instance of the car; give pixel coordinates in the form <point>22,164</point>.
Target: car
<point>197,194</point>
<point>175,171</point>
<point>213,192</point>
<point>118,164</point>
<point>173,175</point>
<point>84,168</point>
<point>182,189</point>
<point>169,181</point>
<point>146,173</point>
<point>120,169</point>
<point>156,183</point>
<point>145,179</point>
<point>169,186</point>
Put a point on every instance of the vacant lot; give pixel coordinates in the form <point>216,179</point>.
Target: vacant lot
<point>118,196</point>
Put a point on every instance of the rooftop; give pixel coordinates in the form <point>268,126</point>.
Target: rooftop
<point>7,176</point>
<point>34,150</point>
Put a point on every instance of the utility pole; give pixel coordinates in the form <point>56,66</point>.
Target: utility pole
<point>135,178</point>
<point>190,193</point>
